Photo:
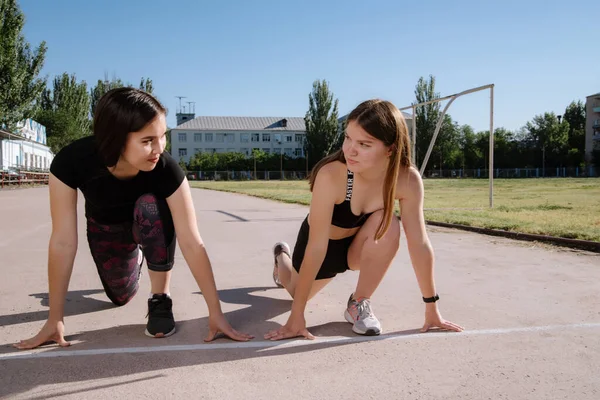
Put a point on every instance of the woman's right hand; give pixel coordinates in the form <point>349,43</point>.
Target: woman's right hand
<point>295,326</point>
<point>52,331</point>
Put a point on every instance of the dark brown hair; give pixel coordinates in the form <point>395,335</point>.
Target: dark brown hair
<point>382,120</point>
<point>119,112</point>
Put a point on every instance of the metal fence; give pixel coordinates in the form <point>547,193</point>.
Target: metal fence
<point>507,173</point>
<point>245,175</point>
<point>13,178</point>
<point>481,173</point>
<point>20,177</point>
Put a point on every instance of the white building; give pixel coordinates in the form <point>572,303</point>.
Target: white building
<point>25,148</point>
<point>242,135</point>
<point>238,134</point>
<point>592,125</point>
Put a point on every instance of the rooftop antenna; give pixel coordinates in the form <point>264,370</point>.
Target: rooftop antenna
<point>190,108</point>
<point>180,97</point>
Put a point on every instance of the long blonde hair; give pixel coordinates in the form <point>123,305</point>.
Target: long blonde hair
<point>382,120</point>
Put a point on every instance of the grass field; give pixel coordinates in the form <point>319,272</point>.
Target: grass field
<point>563,207</point>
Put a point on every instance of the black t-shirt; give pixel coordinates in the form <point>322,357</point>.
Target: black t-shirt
<point>110,200</point>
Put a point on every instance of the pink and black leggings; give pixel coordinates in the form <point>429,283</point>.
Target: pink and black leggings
<point>116,248</point>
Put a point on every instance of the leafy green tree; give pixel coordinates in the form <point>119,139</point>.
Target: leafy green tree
<point>321,121</point>
<point>20,85</point>
<point>426,116</point>
<point>64,111</point>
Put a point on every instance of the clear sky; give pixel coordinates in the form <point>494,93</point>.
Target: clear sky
<point>260,58</point>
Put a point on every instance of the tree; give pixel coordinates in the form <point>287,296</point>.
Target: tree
<point>596,157</point>
<point>426,116</point>
<point>339,139</point>
<point>575,116</point>
<point>507,151</point>
<point>551,138</point>
<point>146,85</point>
<point>168,145</point>
<point>100,90</point>
<point>503,149</point>
<point>103,86</point>
<point>471,156</point>
<point>447,146</point>
<point>183,165</point>
<point>321,121</point>
<point>19,67</point>
<point>64,111</point>
<point>259,158</point>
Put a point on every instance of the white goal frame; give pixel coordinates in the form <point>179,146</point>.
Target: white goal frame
<point>439,125</point>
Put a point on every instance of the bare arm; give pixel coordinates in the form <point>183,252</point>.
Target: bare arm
<point>319,219</point>
<point>195,254</point>
<point>61,255</point>
<point>321,210</point>
<point>419,247</point>
<point>413,221</point>
<point>63,244</point>
<point>192,246</point>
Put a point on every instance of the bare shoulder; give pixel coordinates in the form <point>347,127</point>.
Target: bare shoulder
<point>409,184</point>
<point>334,169</point>
<point>332,178</point>
<point>332,173</point>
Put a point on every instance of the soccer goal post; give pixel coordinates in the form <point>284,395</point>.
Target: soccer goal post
<point>438,126</point>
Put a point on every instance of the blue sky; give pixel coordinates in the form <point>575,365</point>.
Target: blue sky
<point>260,58</point>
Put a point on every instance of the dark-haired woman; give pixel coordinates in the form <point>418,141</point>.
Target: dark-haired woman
<point>137,201</point>
<point>351,223</point>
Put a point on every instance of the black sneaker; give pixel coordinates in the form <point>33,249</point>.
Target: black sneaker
<point>160,316</point>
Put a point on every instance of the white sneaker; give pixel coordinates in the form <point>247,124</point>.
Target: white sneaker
<point>280,247</point>
<point>360,315</point>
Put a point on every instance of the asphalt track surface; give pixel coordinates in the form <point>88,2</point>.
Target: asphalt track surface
<point>531,313</point>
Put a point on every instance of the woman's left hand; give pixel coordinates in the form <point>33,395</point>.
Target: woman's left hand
<point>218,324</point>
<point>433,319</point>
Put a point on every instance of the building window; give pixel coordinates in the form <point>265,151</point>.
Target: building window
<point>220,138</point>
<point>231,150</point>
<point>288,138</point>
<point>245,138</point>
<point>278,137</point>
<point>244,151</point>
<point>266,137</point>
<point>276,151</point>
<point>197,151</point>
<point>210,151</point>
<point>182,137</point>
<point>266,150</point>
<point>299,138</point>
<point>298,152</point>
<point>182,152</point>
<point>208,137</point>
<point>197,137</point>
<point>288,152</point>
<point>255,137</point>
<point>230,137</point>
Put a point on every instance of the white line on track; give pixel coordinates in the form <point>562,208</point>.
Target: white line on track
<point>267,344</point>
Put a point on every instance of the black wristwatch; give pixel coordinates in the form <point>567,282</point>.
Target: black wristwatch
<point>431,299</point>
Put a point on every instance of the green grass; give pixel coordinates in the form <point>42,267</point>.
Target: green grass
<point>562,207</point>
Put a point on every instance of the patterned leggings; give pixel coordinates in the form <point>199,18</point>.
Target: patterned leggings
<point>116,248</point>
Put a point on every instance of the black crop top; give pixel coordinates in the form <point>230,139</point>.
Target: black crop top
<point>343,216</point>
